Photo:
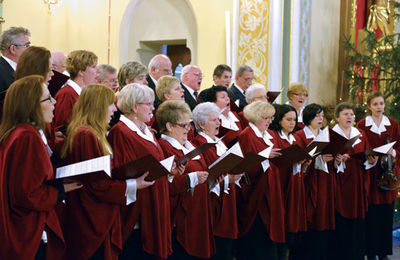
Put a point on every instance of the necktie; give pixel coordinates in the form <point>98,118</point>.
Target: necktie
<point>196,94</point>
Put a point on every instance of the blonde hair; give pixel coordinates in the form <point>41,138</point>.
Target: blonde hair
<point>91,110</point>
<point>258,110</point>
<point>79,60</point>
<point>296,87</point>
<point>171,111</point>
<point>133,94</point>
<point>164,86</point>
<point>17,110</point>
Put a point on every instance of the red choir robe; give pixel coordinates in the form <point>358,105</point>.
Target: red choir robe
<point>352,186</point>
<point>263,195</point>
<point>243,120</point>
<point>319,191</point>
<point>224,206</point>
<point>376,194</point>
<point>230,136</point>
<point>66,99</point>
<point>190,212</point>
<point>26,201</point>
<point>293,192</point>
<point>92,212</point>
<point>151,209</point>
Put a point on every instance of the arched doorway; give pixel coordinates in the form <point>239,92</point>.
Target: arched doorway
<point>149,26</point>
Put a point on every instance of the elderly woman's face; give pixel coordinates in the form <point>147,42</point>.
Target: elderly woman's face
<point>346,118</point>
<point>145,111</point>
<point>264,123</point>
<point>222,100</point>
<point>180,130</point>
<point>176,92</point>
<point>298,99</point>
<point>260,95</point>
<point>212,126</point>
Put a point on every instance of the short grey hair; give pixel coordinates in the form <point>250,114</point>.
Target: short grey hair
<point>186,69</point>
<point>156,61</point>
<point>129,71</point>
<point>133,94</point>
<point>250,92</point>
<point>242,69</point>
<point>10,37</point>
<point>104,69</point>
<point>201,113</point>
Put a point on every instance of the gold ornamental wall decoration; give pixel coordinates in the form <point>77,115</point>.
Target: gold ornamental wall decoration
<point>253,37</point>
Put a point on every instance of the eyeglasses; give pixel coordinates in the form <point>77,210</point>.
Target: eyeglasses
<point>186,126</point>
<point>26,45</point>
<point>199,74</point>
<point>269,117</point>
<point>166,71</point>
<point>49,98</point>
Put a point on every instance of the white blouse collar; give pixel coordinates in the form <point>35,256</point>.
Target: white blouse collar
<point>353,132</point>
<point>44,139</point>
<point>291,138</point>
<point>186,148</point>
<point>74,86</point>
<point>145,134</point>
<point>219,145</point>
<point>265,135</point>
<point>229,122</point>
<point>308,132</point>
<point>375,129</point>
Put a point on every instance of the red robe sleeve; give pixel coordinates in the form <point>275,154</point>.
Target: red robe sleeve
<point>27,203</point>
<point>92,212</point>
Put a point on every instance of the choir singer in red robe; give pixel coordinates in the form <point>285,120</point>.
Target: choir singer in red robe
<point>292,180</point>
<point>28,223</point>
<point>352,186</point>
<point>223,195</point>
<point>146,225</point>
<point>260,203</point>
<point>93,212</point>
<point>380,129</point>
<point>189,195</point>
<point>319,182</point>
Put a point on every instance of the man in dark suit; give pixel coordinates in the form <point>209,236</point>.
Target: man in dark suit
<point>12,43</point>
<point>243,80</point>
<point>191,82</point>
<point>160,65</point>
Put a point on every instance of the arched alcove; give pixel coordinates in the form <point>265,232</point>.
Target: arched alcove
<point>147,25</point>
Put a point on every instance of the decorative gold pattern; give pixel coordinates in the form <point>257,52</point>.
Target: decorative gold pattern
<point>353,15</point>
<point>254,37</point>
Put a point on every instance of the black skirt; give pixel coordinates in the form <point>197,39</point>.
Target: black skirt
<point>379,230</point>
<point>348,241</point>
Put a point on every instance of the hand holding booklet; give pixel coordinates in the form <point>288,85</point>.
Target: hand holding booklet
<point>380,150</point>
<point>225,163</point>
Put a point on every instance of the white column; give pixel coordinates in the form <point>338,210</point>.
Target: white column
<point>275,46</point>
<point>235,36</point>
<point>295,47</point>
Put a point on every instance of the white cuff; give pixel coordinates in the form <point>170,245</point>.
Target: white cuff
<point>194,180</point>
<point>216,189</point>
<point>394,153</point>
<point>369,165</point>
<point>340,167</point>
<point>170,178</point>
<point>320,164</point>
<point>226,184</point>
<point>296,168</point>
<point>44,237</point>
<point>131,190</point>
<point>237,182</point>
<point>265,165</point>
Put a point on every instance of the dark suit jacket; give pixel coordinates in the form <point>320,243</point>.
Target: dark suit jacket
<point>6,75</point>
<point>189,98</point>
<point>235,94</point>
<point>151,85</point>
